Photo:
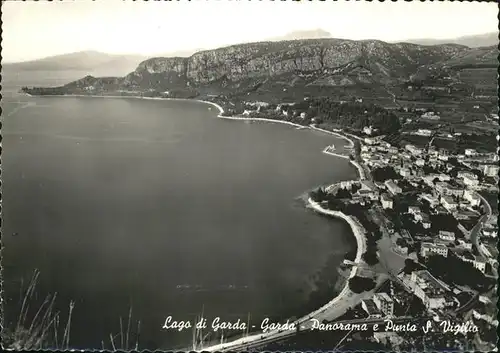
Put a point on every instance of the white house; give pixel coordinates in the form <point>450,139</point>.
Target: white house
<point>470,152</point>
<point>491,170</point>
<point>473,197</point>
<point>393,187</point>
<point>448,203</point>
<point>424,132</point>
<point>386,201</point>
<point>413,209</point>
<point>420,162</point>
<point>439,249</point>
<point>368,130</point>
<point>471,181</point>
<point>405,172</point>
<point>384,303</point>
<point>446,235</point>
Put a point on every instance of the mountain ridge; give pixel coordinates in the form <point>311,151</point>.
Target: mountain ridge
<point>308,66</point>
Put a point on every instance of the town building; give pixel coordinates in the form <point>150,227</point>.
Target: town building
<point>489,231</point>
<point>371,309</point>
<point>431,248</point>
<point>414,150</point>
<point>393,187</point>
<point>471,181</point>
<point>424,132</point>
<point>441,187</point>
<point>386,201</point>
<point>445,188</point>
<point>446,236</point>
<point>430,116</point>
<point>420,162</point>
<point>464,244</point>
<point>444,177</point>
<point>485,316</point>
<point>449,203</point>
<point>368,130</point>
<point>473,197</point>
<point>454,190</point>
<point>480,263</point>
<point>405,172</point>
<point>371,141</point>
<point>413,209</point>
<point>425,220</point>
<point>368,189</point>
<point>465,173</point>
<point>384,303</point>
<point>431,199</point>
<point>491,170</point>
<point>430,290</point>
<point>470,152</point>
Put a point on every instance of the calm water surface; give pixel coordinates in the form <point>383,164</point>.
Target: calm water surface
<point>163,207</point>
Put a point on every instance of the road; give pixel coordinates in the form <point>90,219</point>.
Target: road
<point>337,307</point>
<point>265,340</point>
<point>474,233</point>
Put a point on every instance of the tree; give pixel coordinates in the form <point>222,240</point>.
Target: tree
<point>343,194</point>
<point>401,242</point>
<point>355,188</point>
<point>319,195</point>
<point>411,266</point>
<point>370,257</point>
<point>361,284</point>
<point>357,149</point>
<point>384,173</point>
<point>377,234</point>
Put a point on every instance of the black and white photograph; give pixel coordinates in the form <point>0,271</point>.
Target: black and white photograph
<point>235,175</point>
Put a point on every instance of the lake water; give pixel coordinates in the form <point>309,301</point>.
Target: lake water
<point>161,207</point>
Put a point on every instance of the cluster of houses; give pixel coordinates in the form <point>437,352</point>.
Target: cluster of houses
<point>379,306</point>
<point>458,195</point>
<point>434,293</point>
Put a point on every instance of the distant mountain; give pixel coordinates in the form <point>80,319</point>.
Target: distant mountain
<point>306,34</point>
<point>474,41</point>
<point>89,62</point>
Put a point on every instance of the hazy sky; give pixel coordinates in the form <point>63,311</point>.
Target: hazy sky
<point>38,29</point>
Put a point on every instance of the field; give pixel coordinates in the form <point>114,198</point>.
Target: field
<point>447,144</point>
<point>482,143</point>
<point>419,141</point>
<point>480,78</point>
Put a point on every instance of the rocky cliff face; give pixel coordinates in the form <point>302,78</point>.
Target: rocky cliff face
<point>323,56</point>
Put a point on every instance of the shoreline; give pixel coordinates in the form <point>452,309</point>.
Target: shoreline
<point>355,228</point>
<point>361,247</point>
<point>221,111</point>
